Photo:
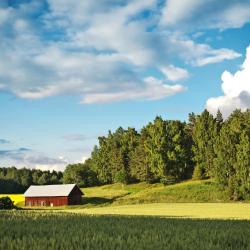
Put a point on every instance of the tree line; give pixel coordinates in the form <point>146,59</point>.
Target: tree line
<point>166,151</point>
<point>170,151</point>
<point>13,180</point>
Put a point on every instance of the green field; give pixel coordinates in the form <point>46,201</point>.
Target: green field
<point>188,191</point>
<point>176,210</point>
<point>188,215</point>
<point>191,199</point>
<point>45,230</point>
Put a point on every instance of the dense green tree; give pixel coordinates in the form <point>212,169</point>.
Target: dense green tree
<point>219,119</point>
<point>155,147</point>
<point>13,180</point>
<point>179,164</point>
<point>139,165</point>
<point>81,174</point>
<point>204,136</point>
<point>232,164</point>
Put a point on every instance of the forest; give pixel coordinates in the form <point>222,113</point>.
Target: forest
<point>166,151</point>
<point>13,180</point>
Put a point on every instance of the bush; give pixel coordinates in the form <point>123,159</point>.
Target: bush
<point>6,203</point>
<point>168,180</point>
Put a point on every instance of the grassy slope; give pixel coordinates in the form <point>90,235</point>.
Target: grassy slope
<point>189,191</point>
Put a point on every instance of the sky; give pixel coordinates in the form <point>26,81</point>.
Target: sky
<point>71,70</point>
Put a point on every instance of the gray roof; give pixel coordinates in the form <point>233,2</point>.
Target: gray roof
<point>49,190</point>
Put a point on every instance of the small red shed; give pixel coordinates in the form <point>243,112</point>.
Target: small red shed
<point>53,195</point>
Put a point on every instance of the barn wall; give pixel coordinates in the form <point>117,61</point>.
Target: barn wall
<point>46,201</point>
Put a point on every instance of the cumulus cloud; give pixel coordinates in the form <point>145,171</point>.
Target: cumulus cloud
<point>98,51</point>
<point>153,89</point>
<point>222,14</point>
<point>236,90</point>
<point>176,11</point>
<point>173,73</point>
<point>201,54</point>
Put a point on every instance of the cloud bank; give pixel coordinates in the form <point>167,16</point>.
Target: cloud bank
<point>100,52</point>
<point>236,90</point>
<point>221,14</point>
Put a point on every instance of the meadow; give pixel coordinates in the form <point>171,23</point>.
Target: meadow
<point>175,210</point>
<point>40,230</point>
<point>190,199</point>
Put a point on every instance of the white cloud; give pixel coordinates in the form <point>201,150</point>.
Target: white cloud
<point>32,159</point>
<point>236,90</point>
<point>84,158</point>
<point>218,56</point>
<point>201,54</point>
<point>197,14</point>
<point>154,89</point>
<point>234,16</point>
<point>173,73</point>
<point>176,11</point>
<point>98,51</point>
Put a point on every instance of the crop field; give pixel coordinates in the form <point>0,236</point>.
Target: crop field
<point>46,230</point>
<point>186,210</point>
<point>18,199</point>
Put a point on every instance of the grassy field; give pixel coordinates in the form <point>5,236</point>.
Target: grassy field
<point>176,210</point>
<point>192,199</point>
<point>39,230</point>
<point>189,191</point>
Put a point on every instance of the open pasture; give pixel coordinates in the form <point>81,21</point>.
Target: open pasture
<point>40,230</point>
<point>186,210</point>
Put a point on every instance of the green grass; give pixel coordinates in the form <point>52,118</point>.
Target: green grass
<point>38,230</point>
<point>192,199</point>
<point>175,210</point>
<point>189,191</point>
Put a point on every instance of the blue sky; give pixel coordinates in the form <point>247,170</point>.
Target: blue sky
<point>71,70</point>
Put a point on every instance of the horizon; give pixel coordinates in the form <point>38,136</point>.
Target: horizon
<point>71,71</point>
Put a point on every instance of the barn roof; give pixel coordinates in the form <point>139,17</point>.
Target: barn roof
<point>49,190</point>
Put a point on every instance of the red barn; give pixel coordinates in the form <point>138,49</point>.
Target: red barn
<point>53,195</point>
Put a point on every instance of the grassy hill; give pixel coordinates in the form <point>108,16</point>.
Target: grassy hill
<point>188,191</point>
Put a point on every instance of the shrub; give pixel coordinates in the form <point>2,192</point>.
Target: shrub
<point>168,180</point>
<point>6,203</point>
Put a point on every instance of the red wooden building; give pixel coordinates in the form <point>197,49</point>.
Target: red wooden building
<point>53,195</point>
